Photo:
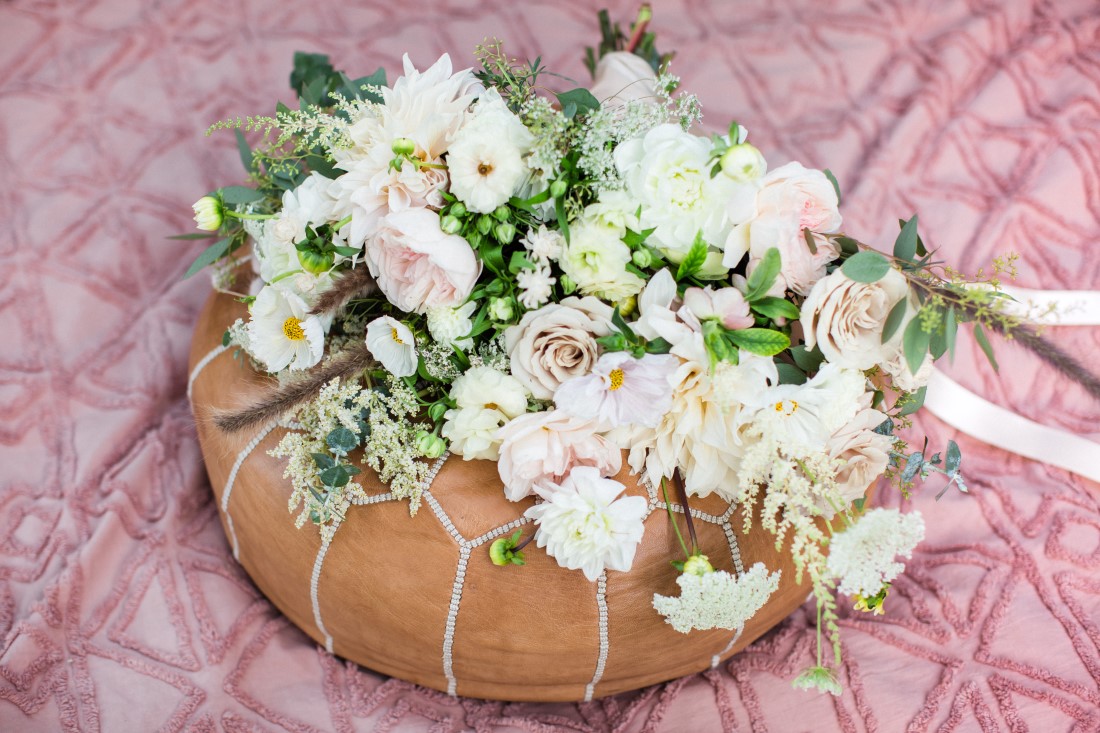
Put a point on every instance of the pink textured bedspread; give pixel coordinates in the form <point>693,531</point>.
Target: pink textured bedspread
<point>121,608</point>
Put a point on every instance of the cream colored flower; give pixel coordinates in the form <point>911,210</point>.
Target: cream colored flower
<point>844,318</point>
<point>717,599</point>
<point>392,343</point>
<point>208,214</point>
<point>452,326</point>
<point>622,77</point>
<point>596,259</point>
<point>556,342</point>
<point>472,432</point>
<point>865,453</point>
<point>486,399</point>
<point>486,387</point>
<point>281,333</point>
<point>486,161</point>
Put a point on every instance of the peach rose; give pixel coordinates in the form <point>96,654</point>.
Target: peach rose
<point>419,266</point>
<point>541,448</point>
<point>866,453</point>
<point>844,319</point>
<point>556,342</point>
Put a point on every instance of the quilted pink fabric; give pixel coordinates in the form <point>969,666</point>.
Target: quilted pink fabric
<point>121,608</point>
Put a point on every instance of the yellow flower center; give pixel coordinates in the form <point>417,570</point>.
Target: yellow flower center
<point>395,337</point>
<point>292,329</point>
<point>616,377</point>
<point>787,407</point>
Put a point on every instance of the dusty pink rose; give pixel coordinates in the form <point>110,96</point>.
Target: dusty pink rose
<point>419,266</point>
<point>541,448</point>
<point>728,305</point>
<point>866,453</point>
<point>623,77</point>
<point>792,198</point>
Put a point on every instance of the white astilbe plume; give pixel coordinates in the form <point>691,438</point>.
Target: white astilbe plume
<point>717,600</point>
<point>862,557</point>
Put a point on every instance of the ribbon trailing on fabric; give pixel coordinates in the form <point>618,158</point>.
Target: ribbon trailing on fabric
<point>963,410</point>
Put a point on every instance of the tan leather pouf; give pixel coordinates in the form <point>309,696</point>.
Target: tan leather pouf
<point>418,598</point>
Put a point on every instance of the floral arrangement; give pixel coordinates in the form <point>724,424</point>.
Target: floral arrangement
<point>559,283</point>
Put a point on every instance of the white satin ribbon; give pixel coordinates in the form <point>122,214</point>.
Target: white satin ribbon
<point>963,410</point>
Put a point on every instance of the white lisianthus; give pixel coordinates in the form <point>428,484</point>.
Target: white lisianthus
<point>667,172</point>
<point>393,344</point>
<point>717,599</point>
<point>486,400</point>
<point>585,525</point>
<point>452,326</point>
<point>536,286</point>
<point>595,259</point>
<point>861,558</point>
<point>486,387</point>
<point>621,390</point>
<point>281,333</point>
<point>486,161</point>
<point>208,214</point>
<point>472,432</point>
<point>544,244</point>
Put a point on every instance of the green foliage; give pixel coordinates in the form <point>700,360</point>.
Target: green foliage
<point>209,256</point>
<point>763,276</point>
<point>577,102</point>
<point>867,266</point>
<point>695,258</point>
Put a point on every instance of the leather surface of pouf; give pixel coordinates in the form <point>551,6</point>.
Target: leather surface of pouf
<point>418,597</point>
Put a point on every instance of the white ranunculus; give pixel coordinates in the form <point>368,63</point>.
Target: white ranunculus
<point>585,525</point>
<point>281,333</point>
<point>556,342</point>
<point>539,449</point>
<point>486,387</point>
<point>393,344</point>
<point>596,259</point>
<point>486,161</point>
<point>622,77</point>
<point>667,172</point>
<point>452,326</point>
<point>472,432</point>
<point>844,318</point>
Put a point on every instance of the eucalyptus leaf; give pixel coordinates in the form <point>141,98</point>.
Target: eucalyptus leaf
<point>979,335</point>
<point>836,184</point>
<point>577,102</point>
<point>209,256</point>
<point>335,477</point>
<point>790,374</point>
<point>950,330</point>
<point>915,403</point>
<point>323,460</point>
<point>912,466</point>
<point>954,458</point>
<point>240,195</point>
<point>807,360</point>
<point>244,150</point>
<point>894,319</point>
<point>905,246</point>
<point>915,344</point>
<point>342,440</point>
<point>866,266</point>
<point>760,341</point>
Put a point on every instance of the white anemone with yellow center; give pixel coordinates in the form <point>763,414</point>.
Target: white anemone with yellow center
<point>393,344</point>
<point>804,416</point>
<point>282,333</point>
<point>621,390</point>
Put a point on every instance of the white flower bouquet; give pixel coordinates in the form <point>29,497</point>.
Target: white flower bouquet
<point>460,262</point>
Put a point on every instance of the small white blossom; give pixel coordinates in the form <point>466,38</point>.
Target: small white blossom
<point>585,527</point>
<point>393,344</point>
<point>862,557</point>
<point>452,325</point>
<point>536,286</point>
<point>486,387</point>
<point>473,432</point>
<point>543,243</point>
<point>281,333</point>
<point>717,600</point>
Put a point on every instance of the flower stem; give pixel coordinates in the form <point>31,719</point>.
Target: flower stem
<point>819,607</point>
<point>257,217</point>
<point>681,491</point>
<point>668,508</point>
<point>342,223</point>
<point>645,14</point>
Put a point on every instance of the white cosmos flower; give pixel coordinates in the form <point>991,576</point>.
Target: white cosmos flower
<point>585,525</point>
<point>862,557</point>
<point>621,390</point>
<point>804,416</point>
<point>393,344</point>
<point>718,599</point>
<point>487,160</point>
<point>281,332</point>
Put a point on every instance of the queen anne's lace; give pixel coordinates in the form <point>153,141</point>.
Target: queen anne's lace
<point>862,558</point>
<point>717,600</point>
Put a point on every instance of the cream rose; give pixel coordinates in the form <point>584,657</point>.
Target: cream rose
<point>556,342</point>
<point>419,266</point>
<point>541,448</point>
<point>865,452</point>
<point>844,319</point>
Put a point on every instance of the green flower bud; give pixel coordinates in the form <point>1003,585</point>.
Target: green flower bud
<point>208,214</point>
<point>558,188</point>
<point>403,146</point>
<point>450,224</point>
<point>458,209</point>
<point>430,445</point>
<point>501,309</point>
<point>505,232</point>
<point>643,258</point>
<point>316,262</point>
<point>567,285</point>
<point>627,305</point>
<point>484,224</point>
<point>743,163</point>
<point>698,565</point>
<point>502,213</point>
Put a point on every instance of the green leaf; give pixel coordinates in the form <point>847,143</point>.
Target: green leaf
<point>810,243</point>
<point>226,338</point>
<point>520,261</point>
<point>894,319</point>
<point>244,150</point>
<point>658,346</point>
<point>635,239</point>
<point>790,374</point>
<point>335,477</point>
<point>347,251</point>
<point>342,440</point>
<point>915,343</point>
<point>577,102</point>
<point>836,184</point>
<point>905,246</point>
<point>694,259</point>
<point>209,256</point>
<point>323,460</point>
<point>848,245</point>
<point>912,466</point>
<point>979,334</point>
<point>240,195</point>
<point>858,503</point>
<point>324,166</point>
<point>618,322</point>
<point>774,308</point>
<point>916,403</point>
<point>867,266</point>
<point>950,330</point>
<point>763,275</point>
<point>196,235</point>
<point>954,458</point>
<point>807,361</point>
<point>760,341</point>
